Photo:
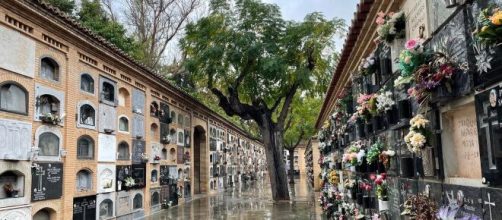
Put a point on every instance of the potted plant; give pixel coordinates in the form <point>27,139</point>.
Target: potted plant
<point>9,190</point>
<point>382,192</point>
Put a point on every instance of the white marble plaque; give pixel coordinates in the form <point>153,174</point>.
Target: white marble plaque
<point>16,140</point>
<point>416,13</point>
<point>17,52</point>
<point>106,148</point>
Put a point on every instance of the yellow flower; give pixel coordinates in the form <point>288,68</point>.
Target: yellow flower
<point>484,28</point>
<point>496,18</point>
<point>408,136</point>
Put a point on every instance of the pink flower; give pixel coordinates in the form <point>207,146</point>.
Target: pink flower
<point>411,44</point>
<point>381,14</point>
<point>380,20</point>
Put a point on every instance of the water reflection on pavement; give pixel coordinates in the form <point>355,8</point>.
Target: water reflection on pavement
<point>249,201</point>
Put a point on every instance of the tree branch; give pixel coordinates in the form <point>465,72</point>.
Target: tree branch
<point>285,107</point>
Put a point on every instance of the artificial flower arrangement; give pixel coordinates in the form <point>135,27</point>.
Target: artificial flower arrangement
<point>390,26</point>
<point>385,156</point>
<point>368,65</point>
<point>490,25</point>
<point>416,139</point>
<point>438,71</point>
<point>354,154</point>
<point>381,186</point>
<point>52,118</point>
<point>374,152</point>
<point>333,178</point>
<point>412,57</point>
<point>349,183</point>
<point>384,101</point>
<point>129,182</point>
<point>420,207</point>
<point>367,106</point>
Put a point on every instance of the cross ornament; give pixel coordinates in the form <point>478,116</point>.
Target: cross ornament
<point>490,204</point>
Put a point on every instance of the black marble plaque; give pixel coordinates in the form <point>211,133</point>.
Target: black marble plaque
<point>461,202</point>
<point>488,57</point>
<point>84,208</point>
<point>138,148</point>
<point>164,175</point>
<point>453,40</point>
<point>432,189</point>
<point>46,181</point>
<point>394,197</point>
<point>139,175</point>
<point>492,203</point>
<point>122,173</point>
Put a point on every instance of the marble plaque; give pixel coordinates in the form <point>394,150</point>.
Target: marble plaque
<point>138,126</point>
<point>46,181</point>
<point>138,101</point>
<point>106,148</point>
<point>106,178</point>
<point>107,119</point>
<point>438,13</point>
<point>461,202</point>
<point>16,140</point>
<point>123,203</point>
<point>416,19</point>
<point>138,148</point>
<point>84,208</point>
<point>17,52</point>
<point>492,203</point>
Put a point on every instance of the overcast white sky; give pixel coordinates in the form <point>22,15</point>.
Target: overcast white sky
<point>297,9</point>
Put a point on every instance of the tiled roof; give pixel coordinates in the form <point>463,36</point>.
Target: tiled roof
<point>360,16</point>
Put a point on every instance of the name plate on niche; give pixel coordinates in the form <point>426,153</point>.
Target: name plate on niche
<point>461,202</point>
<point>84,208</point>
<point>416,13</point>
<point>46,181</point>
<point>465,139</point>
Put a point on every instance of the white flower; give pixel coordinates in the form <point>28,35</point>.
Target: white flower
<point>360,155</point>
<point>390,153</point>
<point>417,140</point>
<point>384,101</point>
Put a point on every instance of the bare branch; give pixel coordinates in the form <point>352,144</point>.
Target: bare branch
<point>109,8</point>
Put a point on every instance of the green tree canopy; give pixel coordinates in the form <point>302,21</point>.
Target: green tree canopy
<point>94,17</point>
<point>255,63</point>
<point>66,6</point>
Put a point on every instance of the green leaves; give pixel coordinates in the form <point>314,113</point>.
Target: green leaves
<point>253,40</point>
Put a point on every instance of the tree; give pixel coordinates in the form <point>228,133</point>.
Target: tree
<point>66,6</point>
<point>95,18</point>
<point>255,63</point>
<point>157,23</point>
<point>300,125</point>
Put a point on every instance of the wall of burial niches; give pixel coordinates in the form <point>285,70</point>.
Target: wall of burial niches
<point>460,170</point>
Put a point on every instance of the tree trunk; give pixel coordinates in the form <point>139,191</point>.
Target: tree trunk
<point>272,140</point>
<point>292,165</point>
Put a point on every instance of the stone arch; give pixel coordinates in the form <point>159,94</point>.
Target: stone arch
<point>45,213</point>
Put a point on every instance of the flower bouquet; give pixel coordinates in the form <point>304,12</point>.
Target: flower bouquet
<point>490,25</point>
<point>129,182</point>
<point>368,65</point>
<point>384,101</point>
<point>333,178</point>
<point>431,76</point>
<point>374,152</point>
<point>367,106</point>
<point>385,156</point>
<point>51,118</point>
<point>416,139</point>
<point>390,26</point>
<point>409,60</point>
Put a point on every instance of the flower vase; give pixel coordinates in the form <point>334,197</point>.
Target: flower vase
<point>395,49</point>
<point>407,168</point>
<point>428,161</point>
<point>383,205</point>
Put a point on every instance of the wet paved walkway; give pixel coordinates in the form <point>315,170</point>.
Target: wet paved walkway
<point>250,201</point>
